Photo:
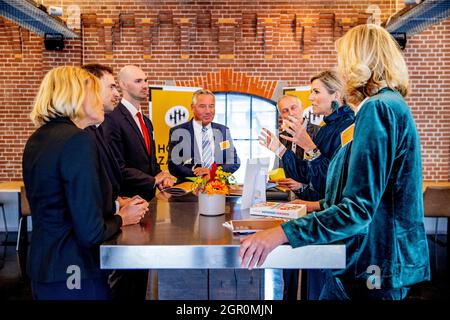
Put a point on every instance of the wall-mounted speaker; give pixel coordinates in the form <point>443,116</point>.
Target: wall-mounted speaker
<point>54,41</point>
<point>400,37</point>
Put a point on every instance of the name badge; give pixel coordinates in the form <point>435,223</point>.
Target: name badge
<point>224,145</point>
<point>347,135</point>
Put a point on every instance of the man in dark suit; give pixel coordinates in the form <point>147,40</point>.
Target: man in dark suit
<point>195,145</point>
<point>130,134</point>
<point>112,176</point>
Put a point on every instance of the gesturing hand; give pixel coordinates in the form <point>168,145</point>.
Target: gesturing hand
<point>271,142</point>
<point>299,134</point>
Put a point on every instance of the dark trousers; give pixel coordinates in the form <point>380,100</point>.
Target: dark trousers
<point>290,278</point>
<point>128,284</point>
<point>90,289</point>
<point>335,289</point>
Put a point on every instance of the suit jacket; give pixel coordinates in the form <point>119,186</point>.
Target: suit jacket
<point>110,174</point>
<point>138,168</point>
<point>62,182</point>
<point>184,152</point>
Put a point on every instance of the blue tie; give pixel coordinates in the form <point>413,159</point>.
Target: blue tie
<point>207,158</point>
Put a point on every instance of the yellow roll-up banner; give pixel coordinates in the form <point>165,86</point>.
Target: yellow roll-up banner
<point>169,109</point>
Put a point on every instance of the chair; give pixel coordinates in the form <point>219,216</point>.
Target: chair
<point>4,221</point>
<point>2,260</point>
<point>436,203</point>
<point>25,212</point>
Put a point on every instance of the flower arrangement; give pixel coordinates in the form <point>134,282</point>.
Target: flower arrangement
<point>216,182</point>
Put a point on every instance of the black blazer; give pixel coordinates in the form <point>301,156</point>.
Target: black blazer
<point>110,174</point>
<point>182,138</point>
<point>138,168</point>
<point>61,177</point>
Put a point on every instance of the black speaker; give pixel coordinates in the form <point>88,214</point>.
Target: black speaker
<point>54,41</point>
<point>400,37</point>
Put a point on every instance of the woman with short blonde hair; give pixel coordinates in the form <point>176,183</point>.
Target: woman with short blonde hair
<point>61,173</point>
<point>62,93</point>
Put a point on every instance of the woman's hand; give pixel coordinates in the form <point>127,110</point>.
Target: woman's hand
<point>289,183</point>
<point>271,142</point>
<point>256,247</point>
<point>299,135</point>
<point>310,205</point>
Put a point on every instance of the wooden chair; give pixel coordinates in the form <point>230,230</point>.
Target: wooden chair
<point>436,203</point>
<point>2,206</point>
<point>25,212</point>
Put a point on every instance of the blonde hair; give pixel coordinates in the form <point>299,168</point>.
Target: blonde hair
<point>330,80</point>
<point>199,92</point>
<point>62,93</point>
<point>369,59</point>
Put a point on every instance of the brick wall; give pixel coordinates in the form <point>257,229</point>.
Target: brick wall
<point>236,43</point>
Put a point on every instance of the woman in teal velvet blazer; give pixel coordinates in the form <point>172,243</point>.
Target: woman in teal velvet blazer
<point>377,209</point>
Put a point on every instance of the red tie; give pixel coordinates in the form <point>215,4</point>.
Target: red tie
<point>144,132</point>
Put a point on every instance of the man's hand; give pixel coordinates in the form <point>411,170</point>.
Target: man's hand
<point>289,183</point>
<point>271,142</point>
<point>256,247</point>
<point>167,182</point>
<point>123,201</point>
<point>200,171</point>
<point>310,205</point>
<point>161,176</point>
<point>164,180</point>
<point>133,211</point>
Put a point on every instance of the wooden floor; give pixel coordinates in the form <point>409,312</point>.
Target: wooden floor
<point>14,287</point>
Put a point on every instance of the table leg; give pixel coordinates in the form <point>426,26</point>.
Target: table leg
<point>273,284</point>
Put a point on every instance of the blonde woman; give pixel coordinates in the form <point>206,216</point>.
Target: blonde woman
<point>311,171</point>
<point>376,209</point>
<point>62,182</point>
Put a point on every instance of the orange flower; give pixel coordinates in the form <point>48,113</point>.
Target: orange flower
<point>216,187</point>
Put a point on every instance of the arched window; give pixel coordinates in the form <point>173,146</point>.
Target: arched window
<point>246,115</point>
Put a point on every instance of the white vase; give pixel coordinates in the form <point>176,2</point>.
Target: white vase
<point>211,205</point>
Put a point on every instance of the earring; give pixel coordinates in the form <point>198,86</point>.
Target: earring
<point>334,105</point>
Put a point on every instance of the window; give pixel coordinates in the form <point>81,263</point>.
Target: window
<point>246,115</point>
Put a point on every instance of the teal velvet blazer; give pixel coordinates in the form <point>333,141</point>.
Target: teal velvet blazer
<point>374,202</point>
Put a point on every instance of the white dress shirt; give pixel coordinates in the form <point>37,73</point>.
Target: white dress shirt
<point>133,110</point>
<point>199,138</point>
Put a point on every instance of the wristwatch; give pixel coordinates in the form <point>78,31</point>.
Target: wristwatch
<point>314,153</point>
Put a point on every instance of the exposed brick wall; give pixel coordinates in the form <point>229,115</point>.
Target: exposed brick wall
<point>233,42</point>
<point>428,58</point>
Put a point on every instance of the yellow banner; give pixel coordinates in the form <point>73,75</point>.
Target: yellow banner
<point>169,109</point>
<point>301,93</point>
